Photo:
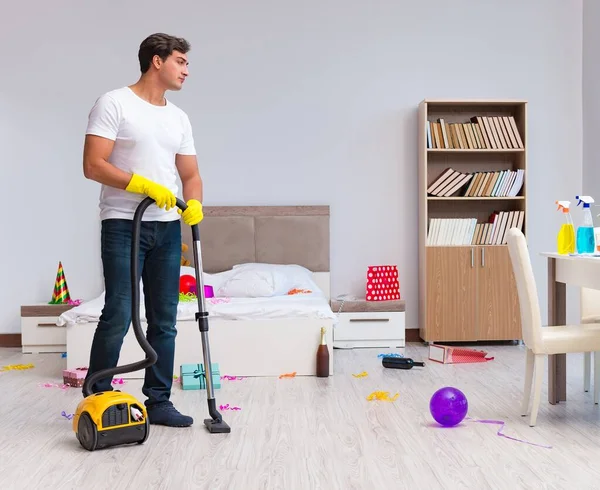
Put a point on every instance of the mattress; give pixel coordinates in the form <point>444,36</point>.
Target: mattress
<point>306,305</point>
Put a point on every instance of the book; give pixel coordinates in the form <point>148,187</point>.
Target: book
<point>494,183</point>
<point>477,133</point>
<point>468,231</point>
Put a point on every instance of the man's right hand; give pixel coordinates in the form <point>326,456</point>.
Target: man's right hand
<point>163,197</point>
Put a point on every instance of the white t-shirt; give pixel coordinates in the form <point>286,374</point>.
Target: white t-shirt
<point>147,137</point>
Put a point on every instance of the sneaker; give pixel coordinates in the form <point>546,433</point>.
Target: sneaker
<point>165,413</point>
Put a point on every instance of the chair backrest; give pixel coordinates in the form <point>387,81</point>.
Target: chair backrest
<point>531,320</point>
<point>590,304</point>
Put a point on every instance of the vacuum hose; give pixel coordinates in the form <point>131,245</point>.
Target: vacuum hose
<point>151,355</point>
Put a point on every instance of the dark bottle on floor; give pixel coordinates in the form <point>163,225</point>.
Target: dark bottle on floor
<point>323,357</point>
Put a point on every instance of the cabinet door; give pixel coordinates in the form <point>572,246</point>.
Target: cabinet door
<point>498,312</point>
<point>451,296</point>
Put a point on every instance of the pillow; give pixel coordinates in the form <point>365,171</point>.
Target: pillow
<point>286,277</point>
<point>214,280</point>
<point>252,283</point>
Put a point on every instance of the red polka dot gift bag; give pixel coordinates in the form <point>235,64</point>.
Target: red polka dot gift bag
<point>382,283</point>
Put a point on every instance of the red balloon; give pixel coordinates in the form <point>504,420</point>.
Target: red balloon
<point>187,284</point>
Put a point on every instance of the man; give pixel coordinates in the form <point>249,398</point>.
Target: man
<point>136,142</point>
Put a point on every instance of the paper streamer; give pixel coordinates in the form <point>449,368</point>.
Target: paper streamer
<point>216,301</point>
<point>54,385</point>
<point>17,367</point>
<point>227,407</point>
<point>288,375</point>
<point>382,395</point>
<point>392,354</point>
<point>66,415</point>
<point>233,378</point>
<point>502,424</point>
<point>361,375</point>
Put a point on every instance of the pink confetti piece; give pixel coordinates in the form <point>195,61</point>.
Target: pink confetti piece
<point>54,385</point>
<point>233,378</point>
<point>118,381</point>
<point>227,407</point>
<point>499,433</point>
<point>216,301</point>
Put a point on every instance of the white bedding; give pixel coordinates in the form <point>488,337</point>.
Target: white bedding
<point>307,305</point>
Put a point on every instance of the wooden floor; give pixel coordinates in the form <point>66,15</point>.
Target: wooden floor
<point>310,433</point>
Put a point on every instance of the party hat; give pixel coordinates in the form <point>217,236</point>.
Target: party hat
<point>60,294</point>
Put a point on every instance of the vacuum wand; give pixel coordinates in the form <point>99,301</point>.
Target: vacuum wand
<point>215,424</point>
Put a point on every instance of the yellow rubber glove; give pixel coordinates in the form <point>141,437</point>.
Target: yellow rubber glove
<point>193,214</point>
<point>163,197</point>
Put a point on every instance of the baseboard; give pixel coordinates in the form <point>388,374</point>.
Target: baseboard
<point>412,335</point>
<point>10,340</point>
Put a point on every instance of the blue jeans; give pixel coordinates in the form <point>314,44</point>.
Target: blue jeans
<point>160,261</point>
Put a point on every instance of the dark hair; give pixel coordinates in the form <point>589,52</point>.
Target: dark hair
<point>162,45</point>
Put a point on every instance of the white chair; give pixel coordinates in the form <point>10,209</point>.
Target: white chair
<point>590,313</point>
<point>542,341</point>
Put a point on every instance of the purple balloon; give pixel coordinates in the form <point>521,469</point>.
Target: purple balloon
<point>448,406</point>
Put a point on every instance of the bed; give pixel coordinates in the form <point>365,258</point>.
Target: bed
<point>249,336</point>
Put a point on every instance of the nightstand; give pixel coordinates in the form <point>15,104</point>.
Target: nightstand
<point>39,331</point>
<point>369,324</point>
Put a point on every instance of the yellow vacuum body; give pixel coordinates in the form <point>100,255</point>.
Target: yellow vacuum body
<point>110,418</point>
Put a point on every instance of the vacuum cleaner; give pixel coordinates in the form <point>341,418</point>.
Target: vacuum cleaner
<point>114,418</point>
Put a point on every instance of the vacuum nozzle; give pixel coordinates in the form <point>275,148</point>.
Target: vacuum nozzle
<point>217,426</point>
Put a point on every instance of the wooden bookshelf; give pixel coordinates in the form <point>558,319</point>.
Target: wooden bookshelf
<point>472,189</point>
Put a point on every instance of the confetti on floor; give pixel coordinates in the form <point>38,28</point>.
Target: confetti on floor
<point>16,367</point>
<point>118,381</point>
<point>66,415</point>
<point>232,378</point>
<point>227,407</point>
<point>391,354</point>
<point>54,385</point>
<point>361,375</point>
<point>382,395</point>
<point>288,375</point>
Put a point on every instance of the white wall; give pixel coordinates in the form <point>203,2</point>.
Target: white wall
<point>591,97</point>
<point>292,103</point>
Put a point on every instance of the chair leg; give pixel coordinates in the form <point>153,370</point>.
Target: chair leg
<point>587,369</point>
<point>537,386</point>
<point>528,379</point>
<point>596,377</point>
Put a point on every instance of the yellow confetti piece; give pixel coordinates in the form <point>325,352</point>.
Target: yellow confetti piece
<point>16,367</point>
<point>382,395</point>
<point>361,375</point>
<point>288,375</point>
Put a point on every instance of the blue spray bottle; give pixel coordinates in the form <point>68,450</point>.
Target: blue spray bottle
<point>586,241</point>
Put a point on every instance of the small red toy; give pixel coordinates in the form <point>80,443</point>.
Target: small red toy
<point>187,284</point>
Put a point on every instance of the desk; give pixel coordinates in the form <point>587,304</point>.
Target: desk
<point>581,271</point>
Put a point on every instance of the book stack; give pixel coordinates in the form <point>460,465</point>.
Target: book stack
<point>467,231</point>
<point>495,183</point>
<point>479,133</point>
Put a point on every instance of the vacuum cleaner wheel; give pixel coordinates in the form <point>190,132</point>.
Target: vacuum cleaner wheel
<point>146,431</point>
<point>87,432</point>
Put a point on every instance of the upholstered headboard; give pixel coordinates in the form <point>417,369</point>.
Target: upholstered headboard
<point>231,235</point>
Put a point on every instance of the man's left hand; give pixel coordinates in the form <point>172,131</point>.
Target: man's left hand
<point>193,214</point>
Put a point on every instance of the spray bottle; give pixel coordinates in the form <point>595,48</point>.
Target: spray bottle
<point>565,240</point>
<point>586,241</point>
